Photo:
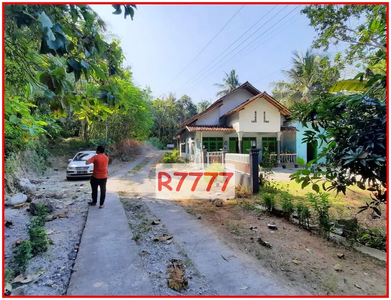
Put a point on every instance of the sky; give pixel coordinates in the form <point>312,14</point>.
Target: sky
<point>163,39</point>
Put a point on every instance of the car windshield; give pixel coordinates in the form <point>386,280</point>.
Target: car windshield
<point>83,156</point>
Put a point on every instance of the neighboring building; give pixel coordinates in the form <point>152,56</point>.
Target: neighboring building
<point>304,150</point>
<point>238,120</point>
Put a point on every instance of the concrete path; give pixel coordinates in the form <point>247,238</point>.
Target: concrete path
<point>108,262</point>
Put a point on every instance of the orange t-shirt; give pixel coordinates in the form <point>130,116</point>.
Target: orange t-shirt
<point>100,161</point>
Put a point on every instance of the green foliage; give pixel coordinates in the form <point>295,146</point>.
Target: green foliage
<point>374,238</point>
<point>38,238</point>
<point>351,125</point>
<point>352,85</point>
<point>172,157</point>
<point>310,75</point>
<point>23,256</point>
<point>248,206</point>
<point>333,25</point>
<point>130,119</point>
<point>268,163</point>
<point>8,274</point>
<point>156,143</point>
<point>186,108</point>
<point>304,214</point>
<point>355,139</point>
<point>107,143</point>
<point>202,105</point>
<point>20,127</point>
<point>268,188</point>
<point>41,210</point>
<point>38,221</point>
<point>321,205</point>
<point>268,201</point>
<point>168,113</point>
<point>231,82</point>
<point>287,205</point>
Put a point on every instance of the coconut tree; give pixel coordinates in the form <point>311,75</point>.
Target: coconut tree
<point>231,82</point>
<point>306,77</point>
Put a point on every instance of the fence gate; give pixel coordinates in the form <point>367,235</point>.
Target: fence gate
<point>214,157</point>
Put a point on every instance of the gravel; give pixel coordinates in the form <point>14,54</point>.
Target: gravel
<point>55,265</point>
<point>156,256</point>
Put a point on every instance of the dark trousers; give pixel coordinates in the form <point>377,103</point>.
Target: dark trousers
<point>94,186</point>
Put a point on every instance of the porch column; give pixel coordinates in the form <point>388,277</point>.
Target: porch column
<point>240,135</point>
<point>278,149</point>
<point>201,151</point>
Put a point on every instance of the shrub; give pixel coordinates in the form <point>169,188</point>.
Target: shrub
<point>269,189</point>
<point>268,201</point>
<point>267,167</point>
<point>287,205</point>
<point>24,255</point>
<point>304,215</point>
<point>125,149</point>
<point>101,142</point>
<point>321,206</point>
<point>8,274</point>
<point>375,238</point>
<point>37,221</point>
<point>175,152</point>
<point>172,157</point>
<point>38,238</point>
<point>41,210</point>
<point>155,142</point>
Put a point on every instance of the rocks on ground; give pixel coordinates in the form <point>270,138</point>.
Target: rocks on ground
<point>48,204</point>
<point>17,199</point>
<point>27,186</point>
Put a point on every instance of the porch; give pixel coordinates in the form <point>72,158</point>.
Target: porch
<point>202,144</point>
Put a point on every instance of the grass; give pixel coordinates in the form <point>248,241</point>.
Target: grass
<point>190,211</point>
<point>140,165</point>
<point>234,228</point>
<point>342,206</point>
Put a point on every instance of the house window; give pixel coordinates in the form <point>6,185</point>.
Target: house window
<point>270,143</point>
<point>183,148</point>
<point>212,143</point>
<point>255,117</point>
<point>264,117</point>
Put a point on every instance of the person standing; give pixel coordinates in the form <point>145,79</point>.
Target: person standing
<point>99,176</point>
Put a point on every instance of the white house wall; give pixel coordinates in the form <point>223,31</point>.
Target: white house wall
<point>210,118</point>
<point>234,100</point>
<point>260,105</point>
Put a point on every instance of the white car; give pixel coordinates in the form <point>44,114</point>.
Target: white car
<point>77,166</point>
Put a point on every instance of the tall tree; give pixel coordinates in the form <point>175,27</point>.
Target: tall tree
<point>333,24</point>
<point>230,82</point>
<point>309,75</point>
<point>57,58</point>
<point>353,123</point>
<point>186,107</point>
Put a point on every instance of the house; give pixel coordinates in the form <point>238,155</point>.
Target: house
<point>243,118</point>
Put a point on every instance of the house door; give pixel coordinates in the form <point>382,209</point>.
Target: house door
<point>233,145</point>
<point>312,151</point>
<point>270,143</point>
<point>246,143</point>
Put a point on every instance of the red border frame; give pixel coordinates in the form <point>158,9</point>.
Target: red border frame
<point>199,3</point>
